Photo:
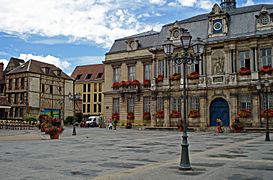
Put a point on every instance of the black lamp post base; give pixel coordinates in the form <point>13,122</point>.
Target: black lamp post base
<point>185,160</point>
<point>267,138</point>
<point>185,167</point>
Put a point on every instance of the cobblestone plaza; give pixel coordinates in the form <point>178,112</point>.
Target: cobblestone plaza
<point>98,153</point>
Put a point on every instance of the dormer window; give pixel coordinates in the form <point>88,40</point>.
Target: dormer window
<point>99,75</point>
<point>88,76</point>
<point>59,72</point>
<point>264,20</point>
<point>132,44</point>
<point>78,76</point>
<point>47,70</point>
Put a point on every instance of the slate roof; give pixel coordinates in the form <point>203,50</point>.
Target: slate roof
<point>35,66</point>
<point>242,23</point>
<point>87,73</point>
<point>13,63</point>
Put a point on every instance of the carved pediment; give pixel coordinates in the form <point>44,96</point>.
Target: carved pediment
<point>216,9</point>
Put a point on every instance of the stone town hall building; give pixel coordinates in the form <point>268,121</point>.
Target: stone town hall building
<point>142,87</point>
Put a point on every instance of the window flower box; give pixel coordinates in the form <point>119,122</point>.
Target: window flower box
<point>115,85</point>
<point>130,116</point>
<point>146,116</point>
<point>193,75</point>
<point>122,84</point>
<point>159,78</point>
<point>159,114</point>
<point>244,71</point>
<point>244,113</point>
<point>175,114</point>
<point>194,114</point>
<point>267,113</point>
<point>266,69</point>
<point>115,116</point>
<point>128,83</point>
<point>176,77</point>
<point>147,83</point>
<point>135,83</point>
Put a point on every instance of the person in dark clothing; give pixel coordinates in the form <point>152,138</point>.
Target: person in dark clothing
<point>115,124</point>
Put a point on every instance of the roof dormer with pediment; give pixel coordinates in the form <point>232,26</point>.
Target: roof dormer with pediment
<point>218,22</point>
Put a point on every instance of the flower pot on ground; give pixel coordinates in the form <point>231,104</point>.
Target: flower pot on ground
<point>193,75</point>
<point>244,71</point>
<point>146,115</point>
<point>130,116</point>
<point>237,125</point>
<point>51,126</point>
<point>244,113</point>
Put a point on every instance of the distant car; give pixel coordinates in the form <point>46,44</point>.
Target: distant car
<point>92,121</point>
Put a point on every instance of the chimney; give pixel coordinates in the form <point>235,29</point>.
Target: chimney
<point>1,70</point>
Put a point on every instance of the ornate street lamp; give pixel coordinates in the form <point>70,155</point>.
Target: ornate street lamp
<point>186,59</point>
<point>265,87</point>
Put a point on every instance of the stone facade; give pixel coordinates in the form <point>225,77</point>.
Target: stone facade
<point>237,58</point>
<point>35,88</point>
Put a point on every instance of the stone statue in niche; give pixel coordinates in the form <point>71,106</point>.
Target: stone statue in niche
<point>219,65</point>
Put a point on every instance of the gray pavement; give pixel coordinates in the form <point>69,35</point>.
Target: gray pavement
<point>124,154</point>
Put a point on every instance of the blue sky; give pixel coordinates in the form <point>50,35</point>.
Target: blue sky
<point>68,33</point>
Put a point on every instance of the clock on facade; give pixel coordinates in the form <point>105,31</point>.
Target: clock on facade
<point>176,34</point>
<point>217,26</point>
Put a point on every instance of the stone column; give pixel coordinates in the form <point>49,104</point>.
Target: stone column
<point>153,111</point>
<point>166,111</point>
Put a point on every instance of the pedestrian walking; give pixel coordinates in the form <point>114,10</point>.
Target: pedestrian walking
<point>110,124</point>
<point>219,126</point>
<point>115,124</point>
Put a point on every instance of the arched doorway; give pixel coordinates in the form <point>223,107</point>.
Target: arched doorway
<point>219,109</point>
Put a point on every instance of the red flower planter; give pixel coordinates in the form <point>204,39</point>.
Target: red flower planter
<point>159,114</point>
<point>194,114</point>
<point>193,75</point>
<point>159,78</point>
<point>147,83</point>
<point>54,136</point>
<point>244,113</point>
<point>244,71</point>
<point>176,77</point>
<point>266,69</point>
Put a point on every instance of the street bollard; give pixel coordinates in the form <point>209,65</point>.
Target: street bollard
<point>74,131</point>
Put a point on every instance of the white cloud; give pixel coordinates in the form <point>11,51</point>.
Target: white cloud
<point>188,3</point>
<point>205,4</point>
<point>63,64</point>
<point>157,2</point>
<point>99,21</point>
<point>5,62</point>
<point>173,4</point>
<point>248,3</point>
